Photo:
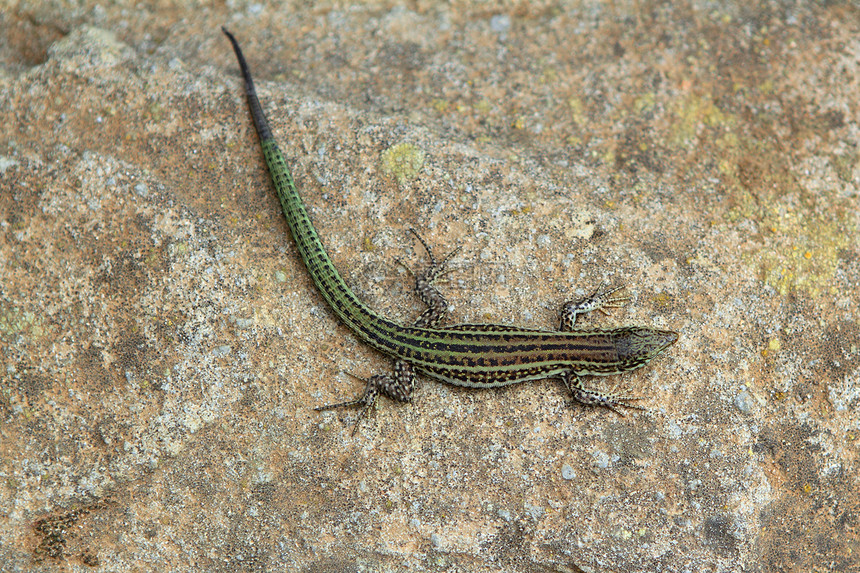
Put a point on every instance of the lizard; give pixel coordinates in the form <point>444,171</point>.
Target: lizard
<point>470,355</point>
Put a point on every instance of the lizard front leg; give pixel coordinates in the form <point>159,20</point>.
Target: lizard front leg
<point>598,301</point>
<point>588,397</point>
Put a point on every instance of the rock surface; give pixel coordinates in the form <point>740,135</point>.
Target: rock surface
<point>162,347</point>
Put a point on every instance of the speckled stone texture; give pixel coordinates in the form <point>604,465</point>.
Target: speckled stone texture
<point>162,347</point>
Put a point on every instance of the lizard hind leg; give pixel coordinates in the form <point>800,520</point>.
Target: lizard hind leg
<point>437,306</point>
<point>398,387</point>
<point>366,400</point>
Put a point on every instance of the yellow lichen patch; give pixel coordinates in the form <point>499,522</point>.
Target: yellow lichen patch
<point>645,102</point>
<point>577,110</point>
<point>14,322</point>
<point>483,107</point>
<point>549,76</point>
<point>804,253</point>
<point>440,105</point>
<point>403,161</point>
<point>800,243</point>
<point>662,299</point>
<point>696,111</point>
